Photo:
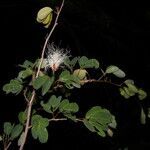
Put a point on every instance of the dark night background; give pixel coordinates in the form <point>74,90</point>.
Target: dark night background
<point>114,33</point>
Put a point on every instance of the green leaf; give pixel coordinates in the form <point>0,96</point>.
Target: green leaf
<point>46,107</point>
<point>38,129</point>
<point>8,128</point>
<point>72,107</point>
<point>84,62</point>
<point>40,133</point>
<point>70,81</point>
<point>54,101</point>
<point>45,82</point>
<point>99,127</point>
<point>129,81</point>
<point>99,119</point>
<point>141,94</point>
<point>14,87</point>
<point>34,132</point>
<point>75,81</point>
<point>115,70</point>
<point>74,61</point>
<point>52,104</point>
<point>16,131</point>
<point>22,117</point>
<point>101,133</point>
<point>93,63</point>
<point>143,117</point>
<point>25,73</point>
<point>97,124</point>
<point>43,65</point>
<point>43,135</point>
<point>132,87</point>
<point>88,125</point>
<point>77,85</point>
<point>27,64</point>
<point>64,76</point>
<point>47,85</point>
<point>67,62</point>
<point>129,91</point>
<point>119,74</point>
<point>63,104</point>
<point>71,63</point>
<point>69,85</point>
<point>21,138</point>
<point>102,116</point>
<point>67,107</point>
<point>92,111</point>
<point>123,93</point>
<point>111,69</point>
<point>39,120</point>
<point>40,81</point>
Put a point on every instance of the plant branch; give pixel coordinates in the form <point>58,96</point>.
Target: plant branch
<point>6,148</point>
<point>28,120</point>
<point>58,119</point>
<point>103,74</point>
<point>37,74</point>
<point>100,81</point>
<point>64,119</point>
<point>48,37</point>
<point>24,93</point>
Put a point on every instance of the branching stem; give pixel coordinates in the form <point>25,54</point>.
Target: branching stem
<point>64,119</point>
<point>100,81</point>
<point>30,103</point>
<point>6,148</point>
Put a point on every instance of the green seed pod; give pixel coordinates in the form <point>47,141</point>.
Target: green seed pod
<point>44,16</point>
<point>80,73</point>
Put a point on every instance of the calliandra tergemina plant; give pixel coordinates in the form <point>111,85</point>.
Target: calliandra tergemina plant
<point>55,70</point>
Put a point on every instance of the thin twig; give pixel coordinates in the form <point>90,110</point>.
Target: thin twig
<point>37,74</point>
<point>100,81</point>
<point>28,120</point>
<point>79,120</point>
<point>58,85</point>
<point>24,93</point>
<point>64,119</point>
<point>103,74</point>
<point>58,119</point>
<point>6,148</point>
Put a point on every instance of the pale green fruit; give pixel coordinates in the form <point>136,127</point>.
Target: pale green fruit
<point>80,73</point>
<point>44,16</point>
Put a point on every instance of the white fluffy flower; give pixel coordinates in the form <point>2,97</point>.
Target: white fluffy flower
<point>55,57</point>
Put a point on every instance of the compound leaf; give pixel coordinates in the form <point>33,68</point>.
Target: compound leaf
<point>39,81</point>
<point>15,87</point>
<point>88,125</point>
<point>8,128</point>
<point>16,131</point>
<point>47,85</point>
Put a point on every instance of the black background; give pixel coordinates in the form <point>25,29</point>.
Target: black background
<point>114,33</point>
